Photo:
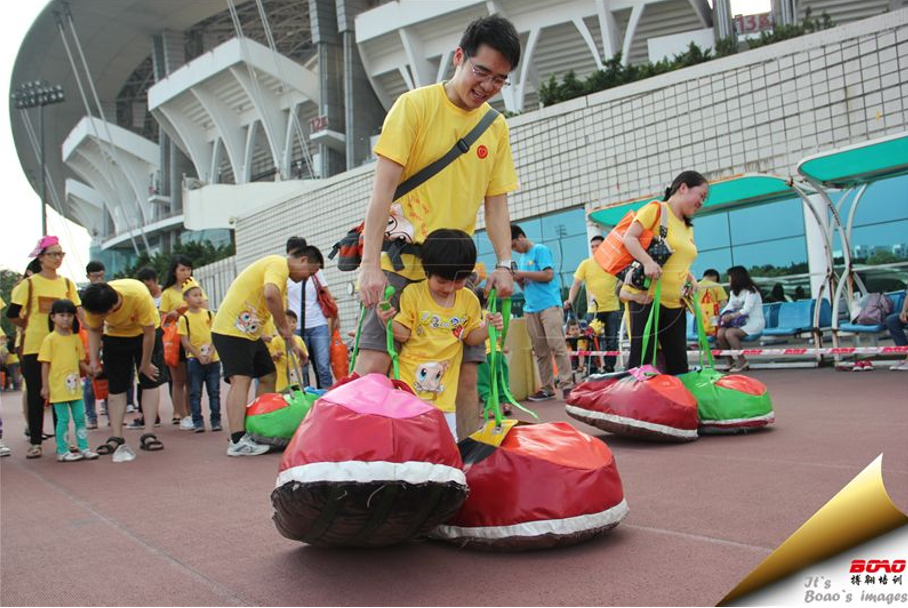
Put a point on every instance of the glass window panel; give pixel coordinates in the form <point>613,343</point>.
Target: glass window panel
<point>572,222</point>
<point>884,201</point>
<point>880,244</point>
<point>774,258</point>
<point>720,259</point>
<point>711,231</point>
<point>766,222</point>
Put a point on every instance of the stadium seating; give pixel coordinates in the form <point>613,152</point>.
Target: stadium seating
<point>874,331</point>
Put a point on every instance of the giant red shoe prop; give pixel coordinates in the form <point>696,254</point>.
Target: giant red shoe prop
<point>643,404</point>
<point>545,485</point>
<point>370,465</point>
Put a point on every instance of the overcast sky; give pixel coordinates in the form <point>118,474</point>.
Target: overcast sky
<point>20,225</point>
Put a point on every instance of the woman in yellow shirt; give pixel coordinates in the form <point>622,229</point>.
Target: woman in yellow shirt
<point>682,201</point>
<point>31,303</point>
<point>172,307</point>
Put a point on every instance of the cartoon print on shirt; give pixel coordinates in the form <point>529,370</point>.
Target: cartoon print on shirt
<point>399,227</point>
<point>72,383</point>
<point>205,349</point>
<point>248,321</point>
<point>429,376</point>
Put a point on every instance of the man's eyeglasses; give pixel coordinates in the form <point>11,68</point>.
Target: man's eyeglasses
<point>486,75</point>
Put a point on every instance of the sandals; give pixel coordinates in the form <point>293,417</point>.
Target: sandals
<point>150,443</point>
<point>110,446</point>
<point>175,420</point>
<point>34,451</point>
<point>506,409</point>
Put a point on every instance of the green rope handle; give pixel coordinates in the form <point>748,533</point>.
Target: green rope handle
<point>496,365</point>
<point>359,331</point>
<point>702,339</point>
<point>653,320</point>
<point>291,357</point>
<point>492,402</point>
<point>389,337</point>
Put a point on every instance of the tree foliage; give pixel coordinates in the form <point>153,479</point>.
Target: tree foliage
<point>8,279</point>
<point>785,32</point>
<point>201,253</point>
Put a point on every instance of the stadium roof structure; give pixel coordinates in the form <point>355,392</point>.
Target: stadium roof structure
<point>858,164</point>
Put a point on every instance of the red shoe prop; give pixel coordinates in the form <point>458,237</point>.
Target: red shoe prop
<point>649,406</point>
<point>371,465</point>
<point>546,485</point>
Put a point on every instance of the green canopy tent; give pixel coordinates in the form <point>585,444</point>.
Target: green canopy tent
<point>735,192</point>
<point>853,168</point>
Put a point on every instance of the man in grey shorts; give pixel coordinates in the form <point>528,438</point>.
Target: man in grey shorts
<point>489,50</point>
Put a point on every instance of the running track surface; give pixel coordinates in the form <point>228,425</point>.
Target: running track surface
<point>190,526</point>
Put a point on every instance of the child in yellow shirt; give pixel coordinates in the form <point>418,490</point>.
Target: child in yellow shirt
<point>62,358</point>
<point>278,349</point>
<point>202,362</point>
<point>437,318</point>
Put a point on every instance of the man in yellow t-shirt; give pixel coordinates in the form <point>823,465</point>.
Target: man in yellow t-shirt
<point>122,315</point>
<point>712,298</point>
<point>421,128</point>
<point>256,296</point>
<point>602,300</point>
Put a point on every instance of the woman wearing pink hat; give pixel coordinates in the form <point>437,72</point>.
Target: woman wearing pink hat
<point>31,302</point>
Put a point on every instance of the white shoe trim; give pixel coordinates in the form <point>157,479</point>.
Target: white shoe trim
<point>355,471</point>
<point>637,424</point>
<point>557,527</point>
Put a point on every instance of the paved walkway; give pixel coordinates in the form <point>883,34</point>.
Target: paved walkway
<point>190,526</point>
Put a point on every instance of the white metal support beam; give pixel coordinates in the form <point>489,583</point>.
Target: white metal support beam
<point>632,24</point>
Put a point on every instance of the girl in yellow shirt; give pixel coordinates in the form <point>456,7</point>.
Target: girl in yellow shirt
<point>62,358</point>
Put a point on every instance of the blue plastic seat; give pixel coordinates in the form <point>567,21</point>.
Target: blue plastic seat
<point>897,299</point>
<point>797,317</point>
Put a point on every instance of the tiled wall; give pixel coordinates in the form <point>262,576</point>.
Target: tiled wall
<point>763,110</point>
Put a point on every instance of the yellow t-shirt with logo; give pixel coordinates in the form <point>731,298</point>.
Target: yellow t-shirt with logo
<point>243,312</point>
<point>430,359</point>
<point>136,311</point>
<point>710,295</point>
<point>684,252</point>
<point>277,346</point>
<point>197,327</point>
<point>600,286</point>
<point>172,299</point>
<point>420,128</point>
<point>44,292</point>
<point>63,353</point>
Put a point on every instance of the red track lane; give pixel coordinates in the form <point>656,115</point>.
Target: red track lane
<point>190,526</point>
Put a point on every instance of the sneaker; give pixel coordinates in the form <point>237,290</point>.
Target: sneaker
<point>136,424</point>
<point>565,391</point>
<point>541,395</point>
<point>131,409</point>
<point>199,428</point>
<point>867,367</point>
<point>124,453</point>
<point>186,424</point>
<point>858,366</point>
<point>89,455</point>
<point>4,451</point>
<point>900,367</point>
<point>91,425</point>
<point>216,426</point>
<point>246,447</point>
<point>69,457</point>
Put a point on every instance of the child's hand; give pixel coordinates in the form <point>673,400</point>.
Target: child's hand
<point>496,320</point>
<point>45,393</point>
<point>385,313</point>
<point>277,355</point>
<point>267,338</point>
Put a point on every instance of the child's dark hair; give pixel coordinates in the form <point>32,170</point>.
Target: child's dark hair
<point>99,298</point>
<point>291,313</point>
<point>180,260</point>
<point>448,254</point>
<point>62,307</point>
<point>94,266</point>
<point>691,179</point>
<point>517,232</point>
<point>711,272</point>
<point>495,32</point>
<point>147,273</point>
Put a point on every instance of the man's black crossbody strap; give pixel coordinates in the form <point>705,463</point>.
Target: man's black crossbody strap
<point>462,146</point>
